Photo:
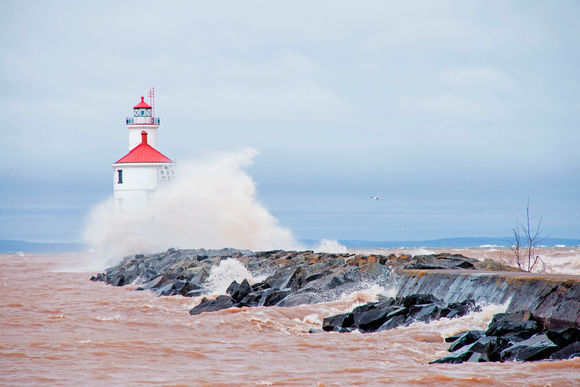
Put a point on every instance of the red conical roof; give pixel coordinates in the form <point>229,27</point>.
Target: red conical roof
<point>142,104</point>
<point>144,153</point>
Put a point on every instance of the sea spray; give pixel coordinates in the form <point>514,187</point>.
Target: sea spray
<point>212,204</point>
<point>330,246</point>
<point>228,271</point>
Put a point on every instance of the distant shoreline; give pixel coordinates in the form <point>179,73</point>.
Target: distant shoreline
<point>16,246</point>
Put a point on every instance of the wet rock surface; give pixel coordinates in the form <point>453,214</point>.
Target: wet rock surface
<point>291,277</point>
<point>513,337</point>
<point>393,312</point>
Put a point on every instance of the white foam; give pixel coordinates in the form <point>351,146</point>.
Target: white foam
<point>228,271</point>
<point>331,246</point>
<point>212,204</point>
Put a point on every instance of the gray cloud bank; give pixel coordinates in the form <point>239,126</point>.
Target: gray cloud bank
<point>453,112</point>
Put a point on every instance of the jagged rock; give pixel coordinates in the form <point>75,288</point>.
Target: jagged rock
<point>335,323</point>
<point>536,347</point>
<point>195,293</point>
<point>484,349</point>
<point>340,280</point>
<point>419,299</point>
<point>239,291</point>
<point>166,290</point>
<point>372,319</point>
<point>360,310</point>
<point>392,322</point>
<point>516,324</point>
<point>118,280</point>
<point>451,339</point>
<point>155,282</point>
<point>296,299</point>
<point>250,299</point>
<point>189,287</point>
<point>465,338</point>
<point>424,313</point>
<point>568,352</point>
<point>502,328</point>
<point>221,302</point>
<point>459,309</point>
<point>424,266</point>
<point>260,286</point>
<point>564,337</point>
<point>272,297</point>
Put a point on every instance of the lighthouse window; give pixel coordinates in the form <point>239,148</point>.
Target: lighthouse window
<point>119,176</point>
<point>166,173</point>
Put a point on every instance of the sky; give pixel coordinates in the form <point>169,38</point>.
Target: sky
<point>453,112</point>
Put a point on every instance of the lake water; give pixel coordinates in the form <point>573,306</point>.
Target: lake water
<point>59,328</point>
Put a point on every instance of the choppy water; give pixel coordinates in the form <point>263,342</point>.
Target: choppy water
<point>59,328</point>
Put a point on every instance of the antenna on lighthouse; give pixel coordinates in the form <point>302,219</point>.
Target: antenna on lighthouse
<point>152,102</point>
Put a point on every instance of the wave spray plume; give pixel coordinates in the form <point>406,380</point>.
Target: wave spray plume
<point>211,204</point>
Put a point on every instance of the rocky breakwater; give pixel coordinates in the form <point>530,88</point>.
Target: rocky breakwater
<point>515,336</point>
<point>428,287</point>
<point>553,299</point>
<point>281,278</point>
<point>393,312</point>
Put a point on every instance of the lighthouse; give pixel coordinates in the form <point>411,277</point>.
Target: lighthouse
<point>142,171</point>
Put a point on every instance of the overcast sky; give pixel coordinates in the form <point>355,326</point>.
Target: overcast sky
<point>454,112</point>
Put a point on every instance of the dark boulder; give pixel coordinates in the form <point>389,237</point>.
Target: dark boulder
<point>250,299</point>
<point>221,302</point>
<point>239,291</point>
<point>568,352</point>
<point>465,338</point>
<point>419,299</point>
<point>535,348</point>
<point>260,286</point>
<point>271,297</point>
<point>188,288</point>
<point>195,293</point>
<point>502,328</point>
<point>372,319</point>
<point>424,313</point>
<point>336,323</point>
<point>360,310</point>
<point>340,280</point>
<point>451,339</point>
<point>564,337</point>
<point>424,266</point>
<point>200,277</point>
<point>167,289</point>
<point>296,299</point>
<point>393,320</point>
<point>155,282</point>
<point>292,280</point>
<point>459,309</point>
<point>519,316</point>
<point>519,323</point>
<point>482,350</point>
<point>118,280</point>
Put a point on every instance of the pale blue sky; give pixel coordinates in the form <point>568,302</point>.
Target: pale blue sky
<point>454,112</point>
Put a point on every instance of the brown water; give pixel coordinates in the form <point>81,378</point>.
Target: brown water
<point>58,328</point>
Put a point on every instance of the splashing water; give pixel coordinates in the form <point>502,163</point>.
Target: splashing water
<point>228,271</point>
<point>212,204</point>
<point>330,246</point>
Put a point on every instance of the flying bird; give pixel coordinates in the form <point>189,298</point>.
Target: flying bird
<point>376,198</point>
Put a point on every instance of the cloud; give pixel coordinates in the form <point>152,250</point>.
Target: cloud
<point>286,86</point>
<point>478,76</point>
<point>442,104</point>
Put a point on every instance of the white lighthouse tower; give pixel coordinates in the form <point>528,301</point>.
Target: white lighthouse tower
<point>143,170</point>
